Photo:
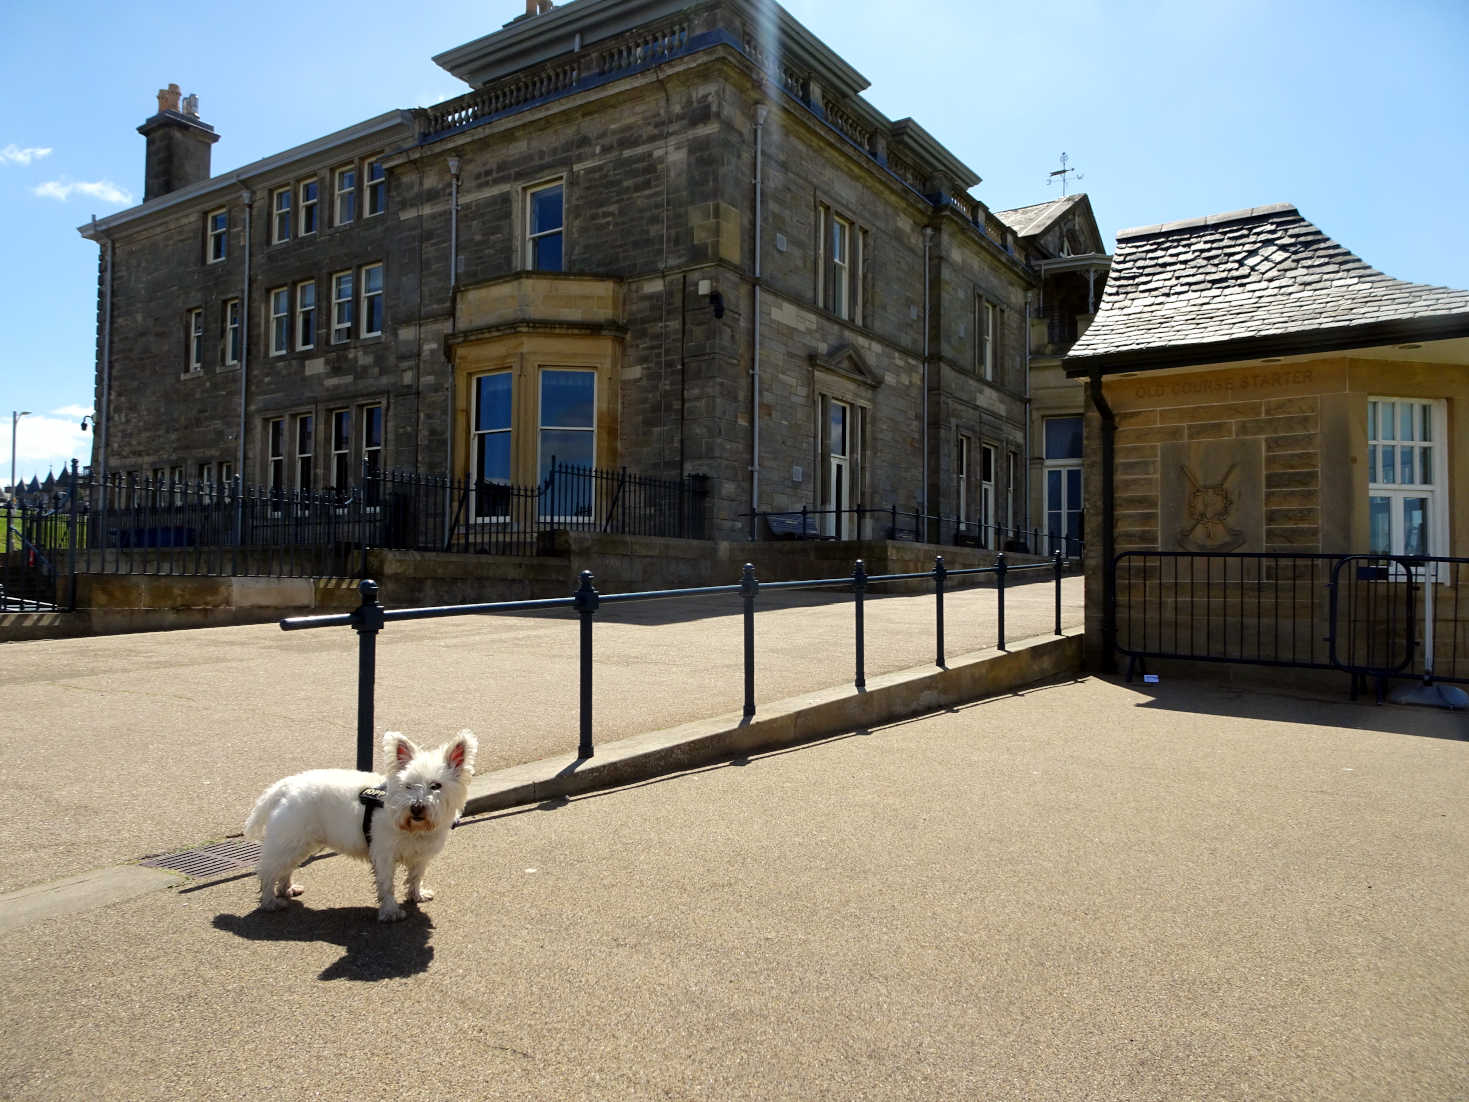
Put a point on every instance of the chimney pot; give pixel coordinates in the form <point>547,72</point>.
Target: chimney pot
<point>168,98</point>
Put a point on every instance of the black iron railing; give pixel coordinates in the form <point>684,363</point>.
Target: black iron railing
<point>370,618</point>
<point>133,525</point>
<point>893,523</point>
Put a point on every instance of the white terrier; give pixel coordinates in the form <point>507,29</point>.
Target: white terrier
<point>420,798</point>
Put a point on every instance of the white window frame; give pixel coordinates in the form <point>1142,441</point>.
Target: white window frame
<point>280,321</point>
<point>304,437</point>
<point>477,435</point>
<point>275,445</point>
<point>229,325</point>
<point>542,427</point>
<point>344,189</point>
<point>217,235</point>
<point>194,334</point>
<point>343,303</point>
<point>372,299</point>
<point>961,477</point>
<point>987,466</point>
<point>372,452</point>
<point>531,238</point>
<point>341,442</point>
<point>310,216</point>
<point>377,188</point>
<point>839,278</point>
<point>281,214</point>
<point>1397,492</point>
<point>1062,465</point>
<point>986,324</point>
<point>304,311</point>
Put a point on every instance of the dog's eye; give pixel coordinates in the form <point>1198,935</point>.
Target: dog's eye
<point>435,785</point>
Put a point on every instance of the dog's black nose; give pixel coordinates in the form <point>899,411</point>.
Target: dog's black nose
<point>417,811</point>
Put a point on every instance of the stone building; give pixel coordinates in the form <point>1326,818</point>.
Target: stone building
<point>658,234</point>
<point>1257,389</point>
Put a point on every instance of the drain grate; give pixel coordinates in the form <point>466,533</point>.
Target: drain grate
<point>235,855</point>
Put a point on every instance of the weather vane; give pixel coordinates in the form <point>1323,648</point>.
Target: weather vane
<point>1063,172</point>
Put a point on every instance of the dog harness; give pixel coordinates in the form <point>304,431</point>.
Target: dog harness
<point>371,799</point>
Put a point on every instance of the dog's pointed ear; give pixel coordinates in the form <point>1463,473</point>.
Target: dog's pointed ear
<point>460,753</point>
<point>398,751</point>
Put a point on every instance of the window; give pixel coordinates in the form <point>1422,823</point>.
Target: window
<point>217,223</point>
<point>280,226</point>
<point>341,449</point>
<point>1406,476</point>
<point>342,303</point>
<point>372,300</point>
<point>275,434</point>
<point>986,326</point>
<point>1063,485</point>
<point>838,278</point>
<point>346,193</point>
<point>372,439</point>
<point>377,188</point>
<point>305,431</point>
<point>306,315</point>
<point>194,335</point>
<point>568,418</point>
<point>280,321</point>
<point>491,443</point>
<point>308,207</point>
<point>1012,487</point>
<point>545,217</point>
<point>229,324</point>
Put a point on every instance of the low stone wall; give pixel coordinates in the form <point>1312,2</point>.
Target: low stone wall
<point>114,603</point>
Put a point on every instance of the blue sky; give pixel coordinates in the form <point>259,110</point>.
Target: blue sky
<point>1354,111</point>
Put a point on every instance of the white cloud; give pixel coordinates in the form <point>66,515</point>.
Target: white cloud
<point>77,412</point>
<point>47,442</point>
<point>62,190</point>
<point>12,154</point>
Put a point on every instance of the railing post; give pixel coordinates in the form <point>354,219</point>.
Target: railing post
<point>1000,569</point>
<point>71,585</point>
<point>749,586</point>
<point>859,587</point>
<point>587,602</point>
<point>1058,592</point>
<point>939,573</point>
<point>367,621</point>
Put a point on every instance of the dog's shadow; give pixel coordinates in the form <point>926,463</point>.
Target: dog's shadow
<point>373,950</point>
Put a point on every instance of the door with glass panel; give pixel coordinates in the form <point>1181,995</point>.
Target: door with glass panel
<point>1403,476</point>
<point>1063,485</point>
<point>840,448</point>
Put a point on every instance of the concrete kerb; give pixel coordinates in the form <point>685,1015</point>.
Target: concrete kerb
<point>886,699</point>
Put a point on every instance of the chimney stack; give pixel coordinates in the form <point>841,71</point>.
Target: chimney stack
<point>178,144</point>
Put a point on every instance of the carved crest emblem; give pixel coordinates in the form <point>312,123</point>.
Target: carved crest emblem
<point>1210,509</point>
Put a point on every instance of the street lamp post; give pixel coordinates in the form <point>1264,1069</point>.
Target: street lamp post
<point>15,417</point>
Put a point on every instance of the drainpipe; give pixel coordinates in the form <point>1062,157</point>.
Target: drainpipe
<point>248,199</point>
<point>1109,589</point>
<point>106,368</point>
<point>449,392</point>
<point>923,447</point>
<point>1025,527</point>
<point>761,111</point>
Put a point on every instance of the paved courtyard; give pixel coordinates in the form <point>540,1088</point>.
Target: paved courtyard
<point>1082,891</point>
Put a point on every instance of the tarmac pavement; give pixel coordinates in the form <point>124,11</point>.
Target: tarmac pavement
<point>1085,890</point>
<point>162,741</point>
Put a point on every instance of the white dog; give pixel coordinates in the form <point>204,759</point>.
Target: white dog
<point>400,819</point>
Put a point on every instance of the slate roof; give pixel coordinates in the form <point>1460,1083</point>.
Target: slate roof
<point>1037,217</point>
<point>1251,283</point>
